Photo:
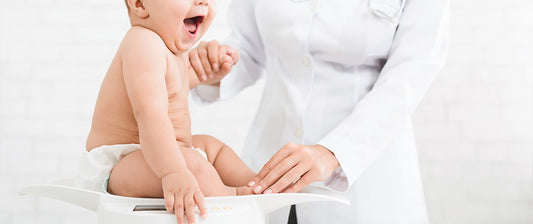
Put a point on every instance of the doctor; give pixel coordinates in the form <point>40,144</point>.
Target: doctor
<point>343,79</point>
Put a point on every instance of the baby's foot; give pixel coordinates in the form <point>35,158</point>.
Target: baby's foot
<point>244,190</point>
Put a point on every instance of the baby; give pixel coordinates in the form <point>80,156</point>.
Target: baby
<point>140,143</point>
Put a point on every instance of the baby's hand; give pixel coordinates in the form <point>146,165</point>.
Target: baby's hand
<point>212,61</point>
<point>181,194</point>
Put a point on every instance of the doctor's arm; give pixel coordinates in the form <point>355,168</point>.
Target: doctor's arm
<point>418,52</point>
<point>213,61</point>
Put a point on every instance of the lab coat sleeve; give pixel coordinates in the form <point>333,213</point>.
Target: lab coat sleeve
<point>246,39</point>
<point>417,54</point>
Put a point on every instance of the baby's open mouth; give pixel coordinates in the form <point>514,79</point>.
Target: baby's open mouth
<point>191,24</point>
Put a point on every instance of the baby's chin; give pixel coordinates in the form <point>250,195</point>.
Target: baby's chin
<point>180,48</point>
<point>185,46</point>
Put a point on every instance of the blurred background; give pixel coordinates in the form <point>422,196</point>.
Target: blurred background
<point>474,127</point>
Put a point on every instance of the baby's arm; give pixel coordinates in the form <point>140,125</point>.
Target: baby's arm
<point>144,67</point>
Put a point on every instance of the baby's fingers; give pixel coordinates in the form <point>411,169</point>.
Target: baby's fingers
<point>231,52</point>
<point>169,202</point>
<point>189,208</point>
<point>178,210</point>
<point>199,199</point>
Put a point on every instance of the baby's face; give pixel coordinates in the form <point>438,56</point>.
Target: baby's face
<point>181,23</point>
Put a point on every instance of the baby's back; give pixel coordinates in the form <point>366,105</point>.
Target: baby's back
<point>113,119</point>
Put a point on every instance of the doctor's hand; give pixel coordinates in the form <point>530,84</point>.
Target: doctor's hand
<point>212,61</point>
<point>181,193</point>
<point>294,167</point>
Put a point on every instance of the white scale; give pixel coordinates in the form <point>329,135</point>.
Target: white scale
<point>111,209</point>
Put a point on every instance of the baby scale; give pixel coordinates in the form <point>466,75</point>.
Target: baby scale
<point>111,209</point>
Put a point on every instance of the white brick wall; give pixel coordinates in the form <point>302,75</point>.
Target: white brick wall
<point>474,128</point>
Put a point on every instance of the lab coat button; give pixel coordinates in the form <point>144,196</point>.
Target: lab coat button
<point>306,61</point>
<point>298,133</point>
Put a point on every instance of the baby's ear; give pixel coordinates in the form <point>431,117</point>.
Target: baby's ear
<point>137,8</point>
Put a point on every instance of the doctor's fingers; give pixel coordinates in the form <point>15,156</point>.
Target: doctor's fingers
<point>290,178</point>
<point>286,171</point>
<point>196,63</point>
<point>204,58</point>
<point>283,153</point>
<point>306,179</point>
<point>213,53</point>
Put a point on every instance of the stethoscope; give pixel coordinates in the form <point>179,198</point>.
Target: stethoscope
<point>392,15</point>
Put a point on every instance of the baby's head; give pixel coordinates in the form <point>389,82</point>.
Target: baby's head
<point>180,23</point>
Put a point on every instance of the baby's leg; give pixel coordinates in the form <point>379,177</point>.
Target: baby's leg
<point>232,170</point>
<point>132,177</point>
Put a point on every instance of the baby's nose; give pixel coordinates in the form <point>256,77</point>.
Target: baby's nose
<point>201,2</point>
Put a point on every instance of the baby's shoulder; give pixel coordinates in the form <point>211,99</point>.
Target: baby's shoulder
<point>140,40</point>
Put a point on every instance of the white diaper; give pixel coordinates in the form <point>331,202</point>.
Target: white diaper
<point>95,166</point>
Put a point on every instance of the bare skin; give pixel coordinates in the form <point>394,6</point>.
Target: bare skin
<point>143,100</point>
<point>220,175</point>
<point>114,123</point>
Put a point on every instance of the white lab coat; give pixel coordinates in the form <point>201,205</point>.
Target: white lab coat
<point>346,74</point>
